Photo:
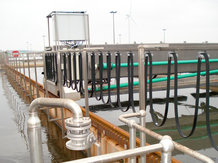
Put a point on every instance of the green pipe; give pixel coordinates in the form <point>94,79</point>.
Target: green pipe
<point>122,85</point>
<point>135,64</point>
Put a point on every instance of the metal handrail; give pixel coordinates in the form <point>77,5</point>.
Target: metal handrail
<point>177,146</point>
<point>165,143</point>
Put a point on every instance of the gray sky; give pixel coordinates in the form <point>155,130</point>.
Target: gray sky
<point>25,21</point>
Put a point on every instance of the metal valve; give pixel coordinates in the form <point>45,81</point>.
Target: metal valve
<point>79,133</point>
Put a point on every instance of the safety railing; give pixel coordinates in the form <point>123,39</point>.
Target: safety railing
<point>166,145</point>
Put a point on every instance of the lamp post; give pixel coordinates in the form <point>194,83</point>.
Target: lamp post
<point>113,12</point>
<point>164,30</point>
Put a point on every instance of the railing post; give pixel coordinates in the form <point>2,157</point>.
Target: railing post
<point>132,138</point>
<point>24,73</point>
<point>141,74</point>
<point>142,134</point>
<point>28,60</point>
<point>45,76</point>
<point>37,86</point>
<point>85,78</point>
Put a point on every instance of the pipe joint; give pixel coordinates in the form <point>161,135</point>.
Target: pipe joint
<point>167,143</point>
<point>131,123</point>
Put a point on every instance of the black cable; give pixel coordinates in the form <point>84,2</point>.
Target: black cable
<point>81,90</point>
<point>56,70</point>
<point>206,57</point>
<point>130,81</point>
<point>178,126</point>
<point>93,88</point>
<point>117,64</point>
<point>100,68</point>
<point>108,80</point>
<point>52,66</point>
<point>69,74</point>
<point>74,82</point>
<point>65,69</point>
<point>100,63</point>
<point>149,56</point>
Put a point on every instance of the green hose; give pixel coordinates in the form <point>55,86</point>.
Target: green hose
<point>123,85</point>
<point>135,64</point>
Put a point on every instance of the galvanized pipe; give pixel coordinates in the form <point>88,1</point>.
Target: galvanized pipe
<point>34,125</point>
<point>120,155</point>
<point>177,146</point>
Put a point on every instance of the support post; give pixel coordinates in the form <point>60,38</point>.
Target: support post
<point>85,78</point>
<point>36,79</point>
<point>142,134</point>
<point>28,60</point>
<point>132,138</point>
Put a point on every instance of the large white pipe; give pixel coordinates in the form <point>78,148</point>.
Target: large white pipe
<point>34,125</point>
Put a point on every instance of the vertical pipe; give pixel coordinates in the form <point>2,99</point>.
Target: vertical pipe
<point>142,134</point>
<point>141,73</point>
<point>49,43</point>
<point>132,138</point>
<point>85,77</point>
<point>60,88</point>
<point>35,140</point>
<point>28,60</point>
<point>37,87</point>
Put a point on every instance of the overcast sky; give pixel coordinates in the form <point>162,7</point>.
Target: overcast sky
<point>23,21</point>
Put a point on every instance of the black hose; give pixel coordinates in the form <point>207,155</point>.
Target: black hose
<point>149,56</point>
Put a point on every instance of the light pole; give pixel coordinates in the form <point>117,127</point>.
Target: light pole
<point>164,30</point>
<point>113,12</point>
<point>43,36</point>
